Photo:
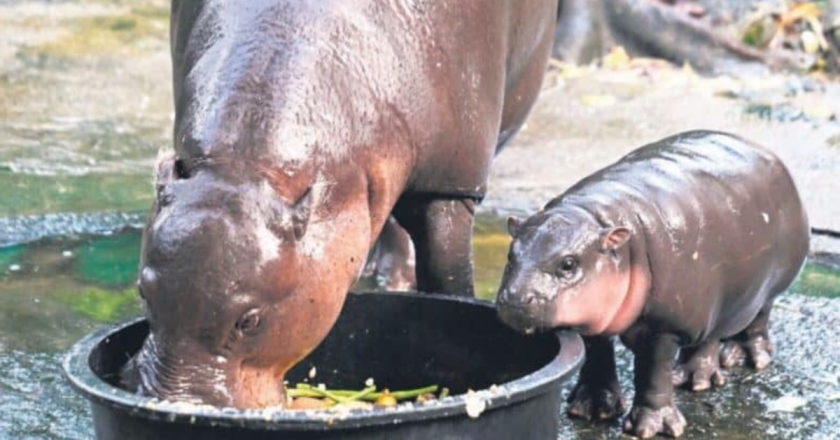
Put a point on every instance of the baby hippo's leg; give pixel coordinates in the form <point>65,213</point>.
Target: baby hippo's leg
<point>654,410</point>
<point>699,367</point>
<point>752,344</point>
<point>597,394</point>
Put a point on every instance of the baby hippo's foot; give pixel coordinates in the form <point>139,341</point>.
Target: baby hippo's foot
<point>755,349</point>
<point>602,402</point>
<point>699,368</point>
<point>644,422</point>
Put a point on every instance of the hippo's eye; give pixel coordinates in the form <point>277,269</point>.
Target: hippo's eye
<point>567,266</point>
<point>249,321</point>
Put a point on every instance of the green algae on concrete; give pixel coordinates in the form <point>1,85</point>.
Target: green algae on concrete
<point>818,280</point>
<point>48,311</point>
<point>66,287</point>
<point>104,306</point>
<point>9,255</point>
<point>109,261</point>
<point>490,249</point>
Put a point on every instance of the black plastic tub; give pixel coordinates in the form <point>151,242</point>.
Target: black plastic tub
<point>403,341</point>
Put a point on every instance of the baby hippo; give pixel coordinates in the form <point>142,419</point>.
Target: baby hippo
<point>680,246</point>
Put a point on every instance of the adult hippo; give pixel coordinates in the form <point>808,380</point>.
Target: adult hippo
<point>300,127</point>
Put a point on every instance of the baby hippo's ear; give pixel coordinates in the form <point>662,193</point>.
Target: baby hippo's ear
<point>513,224</point>
<point>614,238</point>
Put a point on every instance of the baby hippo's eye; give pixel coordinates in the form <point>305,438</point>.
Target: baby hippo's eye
<point>568,266</point>
<point>249,321</point>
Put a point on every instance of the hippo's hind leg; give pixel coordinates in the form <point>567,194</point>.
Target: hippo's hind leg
<point>597,394</point>
<point>698,368</point>
<point>391,261</point>
<point>441,229</point>
<point>752,344</point>
<point>654,410</point>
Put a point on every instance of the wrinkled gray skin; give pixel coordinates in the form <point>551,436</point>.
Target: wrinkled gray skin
<point>300,127</point>
<point>678,246</point>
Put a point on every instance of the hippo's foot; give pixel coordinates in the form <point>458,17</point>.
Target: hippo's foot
<point>644,422</point>
<point>699,368</point>
<point>756,350</point>
<point>597,402</point>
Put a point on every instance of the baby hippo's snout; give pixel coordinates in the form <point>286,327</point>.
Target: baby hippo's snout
<point>523,310</point>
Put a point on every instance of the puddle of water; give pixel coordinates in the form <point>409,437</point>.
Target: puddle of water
<point>55,291</point>
<point>52,293</point>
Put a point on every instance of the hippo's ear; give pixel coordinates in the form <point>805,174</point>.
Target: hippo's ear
<point>164,169</point>
<point>165,174</point>
<point>300,214</point>
<point>614,238</point>
<point>513,224</point>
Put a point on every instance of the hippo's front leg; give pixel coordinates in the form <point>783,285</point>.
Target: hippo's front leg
<point>654,410</point>
<point>441,230</point>
<point>597,394</point>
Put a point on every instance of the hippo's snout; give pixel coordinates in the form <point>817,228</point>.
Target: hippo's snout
<point>525,312</point>
<point>517,318</point>
<point>177,375</point>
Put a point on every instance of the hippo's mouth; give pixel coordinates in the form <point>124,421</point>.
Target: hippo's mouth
<point>530,330</point>
<point>526,320</point>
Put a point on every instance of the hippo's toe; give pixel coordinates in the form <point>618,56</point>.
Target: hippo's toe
<point>644,422</point>
<point>596,402</point>
<point>699,368</point>
<point>698,379</point>
<point>755,350</point>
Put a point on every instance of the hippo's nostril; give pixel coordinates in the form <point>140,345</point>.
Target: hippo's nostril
<point>530,298</point>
